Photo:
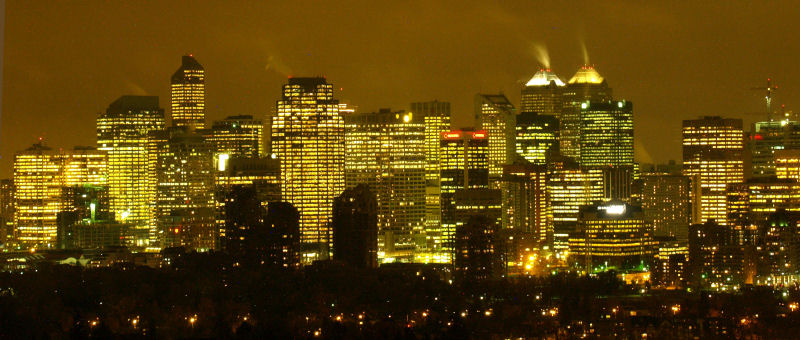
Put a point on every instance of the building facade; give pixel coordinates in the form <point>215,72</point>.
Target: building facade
<point>188,94</point>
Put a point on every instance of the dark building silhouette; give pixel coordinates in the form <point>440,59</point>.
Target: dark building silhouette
<point>355,227</point>
<point>257,236</point>
<point>777,248</point>
<point>715,258</point>
<point>477,255</point>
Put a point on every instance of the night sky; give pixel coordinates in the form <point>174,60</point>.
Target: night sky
<point>64,62</point>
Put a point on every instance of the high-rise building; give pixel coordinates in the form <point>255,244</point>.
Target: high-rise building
<point>6,210</point>
<point>188,94</point>
<point>666,200</point>
<point>569,188</point>
<point>308,139</point>
<point>464,165</point>
<point>436,116</point>
<point>606,133</point>
<point>778,258</point>
<point>536,137</point>
<point>750,204</point>
<point>585,86</point>
<point>715,258</point>
<point>787,164</point>
<point>495,115</point>
<point>612,234</point>
<point>386,151</point>
<point>123,131</point>
<point>769,137</point>
<point>542,94</point>
<point>237,136</point>
<point>355,227</point>
<point>477,255</point>
<point>37,179</point>
<point>184,200</point>
<point>526,205</point>
<point>713,150</point>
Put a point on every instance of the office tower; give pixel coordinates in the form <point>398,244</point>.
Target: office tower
<point>536,137</point>
<point>188,94</point>
<point>542,94</point>
<point>495,115</point>
<point>123,131</point>
<point>6,210</point>
<point>262,174</point>
<point>606,133</point>
<point>569,188</point>
<point>464,165</point>
<point>355,227</point>
<point>787,164</point>
<point>666,200</point>
<point>585,86</point>
<point>184,200</point>
<point>258,236</point>
<point>526,206</point>
<point>713,156</point>
<point>749,204</point>
<point>769,137</point>
<point>483,202</point>
<point>308,138</point>
<point>715,258</point>
<point>238,136</point>
<point>85,165</point>
<point>612,234</point>
<point>477,256</point>
<point>37,179</point>
<point>386,151</point>
<point>436,116</point>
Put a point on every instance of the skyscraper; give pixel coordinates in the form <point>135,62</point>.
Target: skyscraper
<point>570,187</point>
<point>355,227</point>
<point>769,137</point>
<point>436,116</point>
<point>238,136</point>
<point>585,86</point>
<point>464,165</point>
<point>6,210</point>
<point>713,155</point>
<point>123,131</point>
<point>184,200</point>
<point>667,204</point>
<point>537,137</point>
<point>386,151</point>
<point>542,94</point>
<point>526,205</point>
<point>308,139</point>
<point>606,134</point>
<point>37,179</point>
<point>187,94</point>
<point>495,114</point>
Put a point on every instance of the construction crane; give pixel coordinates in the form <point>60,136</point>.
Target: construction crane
<point>769,88</point>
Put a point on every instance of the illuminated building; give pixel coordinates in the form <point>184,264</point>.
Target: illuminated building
<point>386,151</point>
<point>238,136</point>
<point>542,94</point>
<point>355,227</point>
<point>670,268</point>
<point>777,248</point>
<point>526,206</point>
<point>715,258</point>
<point>436,116</point>
<point>585,86</point>
<point>666,200</point>
<point>606,133</point>
<point>536,137</point>
<point>495,114</point>
<point>749,204</point>
<point>612,234</point>
<point>713,156</point>
<point>308,139</point>
<point>6,210</point>
<point>184,202</point>
<point>569,188</point>
<point>187,94</point>
<point>787,164</point>
<point>37,179</point>
<point>464,165</point>
<point>477,256</point>
<point>769,137</point>
<point>123,131</point>
<point>261,174</point>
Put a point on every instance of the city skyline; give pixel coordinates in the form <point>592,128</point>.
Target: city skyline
<point>247,61</point>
